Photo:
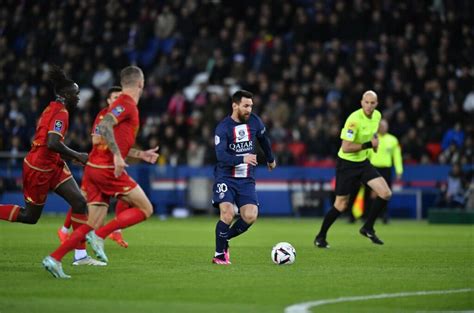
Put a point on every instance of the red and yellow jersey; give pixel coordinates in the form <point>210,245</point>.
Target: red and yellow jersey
<point>125,112</point>
<point>98,119</point>
<point>54,119</point>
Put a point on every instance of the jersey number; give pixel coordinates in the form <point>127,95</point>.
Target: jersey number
<point>221,187</point>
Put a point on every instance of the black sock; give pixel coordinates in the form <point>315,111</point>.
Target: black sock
<point>222,233</point>
<point>330,217</point>
<point>378,205</point>
<point>239,227</point>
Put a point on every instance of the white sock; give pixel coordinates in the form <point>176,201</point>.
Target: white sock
<point>64,230</point>
<point>80,254</point>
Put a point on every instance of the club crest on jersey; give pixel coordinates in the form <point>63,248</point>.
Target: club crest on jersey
<point>241,133</point>
<point>118,110</point>
<point>58,125</point>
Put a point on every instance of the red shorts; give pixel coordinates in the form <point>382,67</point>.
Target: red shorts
<point>99,184</point>
<point>38,182</point>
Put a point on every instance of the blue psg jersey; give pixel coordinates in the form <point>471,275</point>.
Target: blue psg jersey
<point>234,140</point>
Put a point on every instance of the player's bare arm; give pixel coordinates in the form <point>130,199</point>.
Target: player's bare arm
<point>349,146</point>
<point>55,144</point>
<point>106,129</point>
<point>149,156</point>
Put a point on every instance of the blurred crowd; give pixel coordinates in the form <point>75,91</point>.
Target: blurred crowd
<point>307,62</point>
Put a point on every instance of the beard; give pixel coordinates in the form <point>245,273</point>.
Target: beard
<point>243,118</point>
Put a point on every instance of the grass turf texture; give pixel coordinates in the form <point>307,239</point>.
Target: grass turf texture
<point>167,268</point>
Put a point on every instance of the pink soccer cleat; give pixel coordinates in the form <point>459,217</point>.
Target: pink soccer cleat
<point>221,261</point>
<point>227,254</point>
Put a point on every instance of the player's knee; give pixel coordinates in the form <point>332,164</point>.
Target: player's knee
<point>227,215</point>
<point>341,204</point>
<point>28,217</point>
<point>30,220</point>
<point>147,209</point>
<point>386,194</point>
<point>249,217</point>
<point>227,218</point>
<point>79,206</point>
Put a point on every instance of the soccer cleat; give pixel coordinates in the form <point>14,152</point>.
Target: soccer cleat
<point>227,252</point>
<point>370,233</point>
<point>227,255</point>
<point>97,245</point>
<point>117,237</point>
<point>54,267</point>
<point>87,260</point>
<point>62,236</point>
<point>221,260</point>
<point>321,242</point>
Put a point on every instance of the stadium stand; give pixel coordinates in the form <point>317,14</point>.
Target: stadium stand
<point>307,61</point>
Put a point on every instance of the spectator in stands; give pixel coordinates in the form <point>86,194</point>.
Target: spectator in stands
<point>306,60</point>
<point>454,192</point>
<point>454,136</point>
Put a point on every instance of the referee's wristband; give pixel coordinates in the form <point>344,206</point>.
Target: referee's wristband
<point>367,145</point>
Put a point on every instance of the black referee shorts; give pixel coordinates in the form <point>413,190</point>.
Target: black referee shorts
<point>349,175</point>
<point>386,173</point>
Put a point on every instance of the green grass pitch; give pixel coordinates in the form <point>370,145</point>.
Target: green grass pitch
<point>167,268</point>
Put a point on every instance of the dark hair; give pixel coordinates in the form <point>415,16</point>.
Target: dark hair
<point>238,95</point>
<point>112,90</point>
<point>59,79</point>
<point>130,75</point>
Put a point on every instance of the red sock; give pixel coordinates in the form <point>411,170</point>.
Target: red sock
<point>76,221</point>
<point>67,220</point>
<point>121,206</point>
<point>126,219</point>
<point>9,212</point>
<point>77,236</point>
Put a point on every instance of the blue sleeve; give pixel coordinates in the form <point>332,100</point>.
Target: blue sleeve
<point>264,141</point>
<point>220,140</point>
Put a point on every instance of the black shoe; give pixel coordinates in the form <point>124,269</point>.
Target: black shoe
<point>321,242</point>
<point>370,233</point>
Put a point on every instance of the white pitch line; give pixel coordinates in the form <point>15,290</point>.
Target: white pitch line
<point>305,306</point>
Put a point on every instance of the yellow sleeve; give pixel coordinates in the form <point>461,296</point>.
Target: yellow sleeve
<point>350,129</point>
<point>397,158</point>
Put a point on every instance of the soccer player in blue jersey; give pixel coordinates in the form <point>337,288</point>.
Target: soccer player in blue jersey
<point>235,140</point>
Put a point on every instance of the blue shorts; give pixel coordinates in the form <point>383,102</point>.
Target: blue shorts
<point>240,191</point>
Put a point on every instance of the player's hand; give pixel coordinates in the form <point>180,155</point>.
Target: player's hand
<point>82,158</point>
<point>150,155</point>
<point>251,159</point>
<point>119,165</point>
<point>272,165</point>
<point>375,143</point>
